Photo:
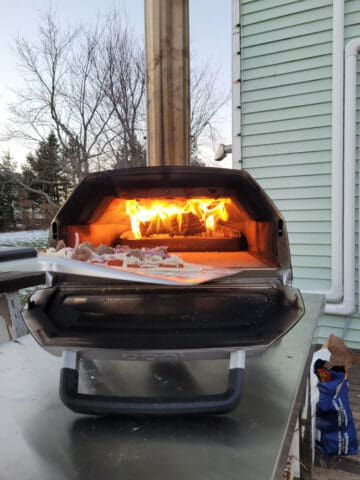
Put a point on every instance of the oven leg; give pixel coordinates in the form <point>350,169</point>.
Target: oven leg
<point>117,405</point>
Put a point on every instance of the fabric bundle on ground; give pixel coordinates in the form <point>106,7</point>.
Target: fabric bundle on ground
<point>335,428</point>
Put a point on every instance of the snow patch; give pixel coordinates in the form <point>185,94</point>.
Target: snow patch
<point>28,238</point>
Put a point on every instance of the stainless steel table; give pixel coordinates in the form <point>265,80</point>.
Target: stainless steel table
<point>41,439</point>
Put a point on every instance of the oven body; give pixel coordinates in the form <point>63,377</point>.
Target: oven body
<point>207,216</point>
<point>250,309</point>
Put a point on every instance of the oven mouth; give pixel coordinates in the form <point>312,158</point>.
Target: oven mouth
<point>186,231</point>
<point>192,222</point>
<point>185,209</point>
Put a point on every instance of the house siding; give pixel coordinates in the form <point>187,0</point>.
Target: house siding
<point>283,69</point>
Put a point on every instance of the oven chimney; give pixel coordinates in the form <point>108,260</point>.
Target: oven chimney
<point>167,82</point>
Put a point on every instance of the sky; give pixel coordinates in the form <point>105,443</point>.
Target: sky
<point>210,37</point>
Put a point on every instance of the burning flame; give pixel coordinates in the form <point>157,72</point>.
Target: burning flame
<point>177,216</point>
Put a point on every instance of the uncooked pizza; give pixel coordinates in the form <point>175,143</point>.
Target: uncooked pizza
<point>121,256</point>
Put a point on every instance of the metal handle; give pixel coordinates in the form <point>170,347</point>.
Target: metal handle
<point>8,254</point>
<point>117,405</point>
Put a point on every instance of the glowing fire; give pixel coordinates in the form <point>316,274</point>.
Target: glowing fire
<point>177,216</point>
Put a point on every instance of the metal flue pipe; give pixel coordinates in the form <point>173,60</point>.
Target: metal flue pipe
<point>167,82</point>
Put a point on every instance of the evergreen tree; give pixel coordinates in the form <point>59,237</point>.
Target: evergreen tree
<point>8,196</point>
<point>45,175</point>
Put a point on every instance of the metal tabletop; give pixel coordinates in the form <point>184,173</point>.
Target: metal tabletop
<point>41,439</point>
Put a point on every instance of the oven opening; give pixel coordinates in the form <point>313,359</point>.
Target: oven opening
<point>195,224</point>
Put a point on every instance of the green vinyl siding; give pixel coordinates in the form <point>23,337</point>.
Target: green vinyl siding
<point>285,127</point>
<point>290,113</point>
<point>286,121</point>
<point>286,79</point>
<point>348,329</point>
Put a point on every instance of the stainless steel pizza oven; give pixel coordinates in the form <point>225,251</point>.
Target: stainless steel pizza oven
<point>207,216</point>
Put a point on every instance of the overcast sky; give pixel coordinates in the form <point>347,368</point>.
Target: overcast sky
<point>210,37</point>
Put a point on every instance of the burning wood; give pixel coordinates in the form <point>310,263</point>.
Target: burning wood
<point>176,217</point>
<point>187,224</point>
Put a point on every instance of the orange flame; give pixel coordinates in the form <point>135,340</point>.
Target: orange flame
<point>176,217</point>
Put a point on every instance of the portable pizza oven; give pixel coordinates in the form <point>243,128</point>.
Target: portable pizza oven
<point>207,216</point>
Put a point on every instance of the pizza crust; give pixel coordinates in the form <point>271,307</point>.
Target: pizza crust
<point>124,257</point>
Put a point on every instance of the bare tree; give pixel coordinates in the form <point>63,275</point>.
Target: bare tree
<point>124,64</point>
<point>64,90</point>
<point>88,85</point>
<point>207,99</point>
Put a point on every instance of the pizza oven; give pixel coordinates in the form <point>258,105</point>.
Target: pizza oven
<point>207,216</point>
<point>212,217</point>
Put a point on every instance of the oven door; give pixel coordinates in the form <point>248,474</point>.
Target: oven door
<point>235,312</point>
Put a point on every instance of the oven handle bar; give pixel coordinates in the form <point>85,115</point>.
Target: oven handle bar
<point>16,253</point>
<point>117,405</point>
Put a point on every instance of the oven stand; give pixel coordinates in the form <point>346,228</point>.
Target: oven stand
<point>117,405</point>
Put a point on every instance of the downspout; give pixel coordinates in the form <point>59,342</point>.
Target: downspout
<point>335,294</point>
<point>347,307</point>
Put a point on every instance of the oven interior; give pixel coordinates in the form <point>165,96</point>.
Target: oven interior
<point>202,210</point>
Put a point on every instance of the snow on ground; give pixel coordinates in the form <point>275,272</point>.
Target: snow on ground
<point>28,238</point>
